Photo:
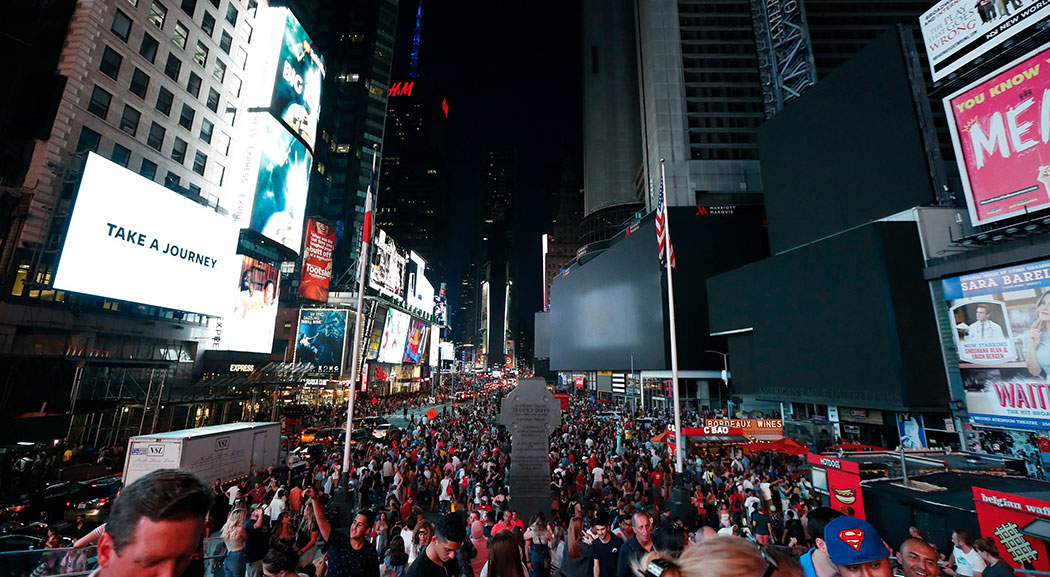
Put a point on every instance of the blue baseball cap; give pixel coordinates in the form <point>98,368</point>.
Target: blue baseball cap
<point>852,541</point>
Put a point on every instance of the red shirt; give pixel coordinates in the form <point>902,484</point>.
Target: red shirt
<point>658,478</point>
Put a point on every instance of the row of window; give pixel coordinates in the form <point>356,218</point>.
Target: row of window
<point>90,140</point>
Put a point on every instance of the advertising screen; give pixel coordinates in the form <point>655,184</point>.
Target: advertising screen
<point>132,239</point>
<point>297,87</point>
<point>387,274</point>
<point>375,335</point>
<point>999,128</point>
<point>1017,523</point>
<point>440,310</point>
<point>842,481</point>
<point>435,346</point>
<point>1001,322</point>
<point>249,321</point>
<point>317,261</point>
<point>281,185</point>
<point>417,340</point>
<point>320,339</point>
<point>395,333</point>
<point>957,32</point>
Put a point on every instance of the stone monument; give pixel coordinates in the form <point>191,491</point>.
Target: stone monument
<point>531,413</point>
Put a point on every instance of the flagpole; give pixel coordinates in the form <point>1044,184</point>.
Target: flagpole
<point>362,267</point>
<point>679,441</point>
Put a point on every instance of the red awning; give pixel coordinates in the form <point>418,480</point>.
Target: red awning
<point>787,445</point>
<point>661,438</point>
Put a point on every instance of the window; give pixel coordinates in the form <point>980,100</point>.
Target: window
<point>180,35</point>
<point>213,100</point>
<point>242,58</point>
<point>164,100</point>
<point>121,155</point>
<point>148,169</point>
<point>157,14</point>
<point>193,85</point>
<point>218,172</point>
<point>188,6</point>
<point>186,118</point>
<point>253,7</point>
<point>156,137</point>
<point>200,160</point>
<point>178,150</point>
<point>231,114</point>
<point>207,128</point>
<point>246,32</point>
<point>148,50</point>
<point>194,189</point>
<point>208,24</point>
<point>200,55</point>
<point>231,14</point>
<point>89,140</point>
<point>172,68</point>
<point>225,42</point>
<point>235,86</point>
<point>99,103</point>
<point>139,83</point>
<point>172,180</point>
<point>110,65</point>
<point>129,121</point>
<point>121,25</point>
<point>223,143</point>
<point>215,3</point>
<point>219,72</point>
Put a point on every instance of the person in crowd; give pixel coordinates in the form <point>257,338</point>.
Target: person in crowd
<point>396,560</point>
<point>256,543</point>
<point>348,556</point>
<point>283,534</point>
<point>606,547</point>
<point>719,557</point>
<point>504,556</point>
<point>856,548</point>
<point>636,547</point>
<point>917,558</point>
<point>424,533</point>
<point>279,563</point>
<point>816,562</point>
<point>994,564</point>
<point>537,546</point>
<point>438,559</point>
<point>966,561</point>
<point>476,533</point>
<point>577,558</point>
<point>306,535</point>
<point>155,525</point>
<point>234,537</point>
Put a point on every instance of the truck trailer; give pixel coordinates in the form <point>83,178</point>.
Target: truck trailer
<point>224,452</point>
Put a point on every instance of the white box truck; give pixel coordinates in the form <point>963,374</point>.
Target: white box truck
<point>222,452</point>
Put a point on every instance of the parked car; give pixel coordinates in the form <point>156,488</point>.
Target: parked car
<point>95,499</point>
<point>47,504</point>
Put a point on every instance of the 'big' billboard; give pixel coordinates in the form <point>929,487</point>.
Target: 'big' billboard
<point>1000,128</point>
<point>317,261</point>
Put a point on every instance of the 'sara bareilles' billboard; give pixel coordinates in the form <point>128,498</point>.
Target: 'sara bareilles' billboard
<point>131,239</point>
<point>317,261</point>
<point>281,168</point>
<point>290,73</point>
<point>1000,129</point>
<point>1001,322</point>
<point>395,334</point>
<point>957,31</point>
<point>387,274</point>
<point>248,322</point>
<point>319,340</point>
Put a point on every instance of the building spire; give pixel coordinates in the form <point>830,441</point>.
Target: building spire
<point>413,70</point>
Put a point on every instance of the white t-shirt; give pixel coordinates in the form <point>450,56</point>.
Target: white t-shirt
<point>276,508</point>
<point>599,474</point>
<point>233,492</point>
<point>968,563</point>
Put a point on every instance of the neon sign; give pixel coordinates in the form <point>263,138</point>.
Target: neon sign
<point>401,89</point>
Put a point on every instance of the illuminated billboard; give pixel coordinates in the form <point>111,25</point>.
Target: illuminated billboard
<point>297,86</point>
<point>435,346</point>
<point>999,127</point>
<point>320,340</point>
<point>131,239</point>
<point>419,293</point>
<point>248,322</point>
<point>375,334</point>
<point>317,261</point>
<point>1001,329</point>
<point>387,274</point>
<point>287,74</point>
<point>281,183</point>
<point>395,334</point>
<point>416,343</point>
<point>957,32</point>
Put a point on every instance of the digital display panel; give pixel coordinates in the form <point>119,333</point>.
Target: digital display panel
<point>320,340</point>
<point>281,185</point>
<point>249,321</point>
<point>395,334</point>
<point>297,86</point>
<point>414,347</point>
<point>317,261</point>
<point>375,336</point>
<point>131,239</point>
<point>388,268</point>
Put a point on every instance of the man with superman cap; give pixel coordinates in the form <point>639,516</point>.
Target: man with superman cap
<point>856,548</point>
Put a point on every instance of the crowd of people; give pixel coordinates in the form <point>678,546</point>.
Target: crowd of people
<point>433,500</point>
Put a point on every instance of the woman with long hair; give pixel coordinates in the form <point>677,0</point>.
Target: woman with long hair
<point>233,535</point>
<point>1037,349</point>
<point>306,535</point>
<point>396,560</point>
<point>537,547</point>
<point>577,560</point>
<point>504,556</point>
<point>722,557</point>
<point>422,537</point>
<point>283,535</point>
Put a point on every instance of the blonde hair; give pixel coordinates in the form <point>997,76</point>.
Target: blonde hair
<point>233,523</point>
<point>721,557</point>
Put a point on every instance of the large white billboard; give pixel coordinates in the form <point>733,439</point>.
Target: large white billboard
<point>387,271</point>
<point>131,239</point>
<point>956,32</point>
<point>395,335</point>
<point>251,311</point>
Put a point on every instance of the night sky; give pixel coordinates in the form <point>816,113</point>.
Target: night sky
<point>511,73</point>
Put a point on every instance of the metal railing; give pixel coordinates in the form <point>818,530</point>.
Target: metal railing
<point>75,562</point>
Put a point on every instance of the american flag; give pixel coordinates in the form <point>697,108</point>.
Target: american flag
<point>661,214</point>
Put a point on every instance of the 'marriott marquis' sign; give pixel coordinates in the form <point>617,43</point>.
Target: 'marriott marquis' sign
<point>531,413</point>
<point>1001,321</point>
